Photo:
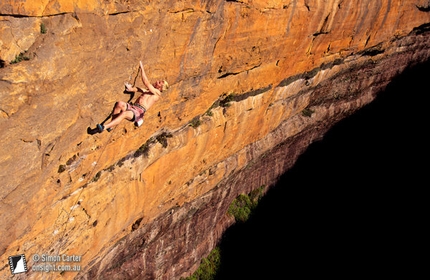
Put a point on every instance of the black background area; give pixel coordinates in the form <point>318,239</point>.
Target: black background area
<point>352,205</point>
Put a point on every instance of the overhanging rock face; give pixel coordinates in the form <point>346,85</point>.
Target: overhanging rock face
<point>252,85</point>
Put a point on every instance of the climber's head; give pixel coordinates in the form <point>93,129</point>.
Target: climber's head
<point>161,85</point>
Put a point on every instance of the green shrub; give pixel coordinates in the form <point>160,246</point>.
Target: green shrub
<point>144,149</point>
<point>240,208</point>
<point>209,111</point>
<point>225,101</point>
<point>307,112</point>
<point>194,123</point>
<point>162,138</point>
<point>208,266</point>
<point>43,29</point>
<point>243,205</point>
<point>19,58</point>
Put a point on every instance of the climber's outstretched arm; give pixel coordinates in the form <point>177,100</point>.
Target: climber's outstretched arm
<point>146,82</point>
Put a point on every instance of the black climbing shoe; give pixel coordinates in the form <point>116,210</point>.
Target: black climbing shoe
<point>100,128</point>
<point>92,131</point>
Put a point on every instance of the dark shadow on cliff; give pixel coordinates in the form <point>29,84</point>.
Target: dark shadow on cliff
<point>351,205</point>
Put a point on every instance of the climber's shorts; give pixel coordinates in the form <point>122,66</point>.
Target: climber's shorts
<point>138,112</point>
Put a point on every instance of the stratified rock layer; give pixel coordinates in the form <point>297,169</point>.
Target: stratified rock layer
<point>252,85</point>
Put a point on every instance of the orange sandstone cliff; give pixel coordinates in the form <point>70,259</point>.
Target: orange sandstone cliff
<point>253,83</point>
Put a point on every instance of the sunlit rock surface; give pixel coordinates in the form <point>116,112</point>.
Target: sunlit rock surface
<point>253,83</point>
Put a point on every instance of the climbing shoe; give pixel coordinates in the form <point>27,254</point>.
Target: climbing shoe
<point>138,123</point>
<point>100,128</point>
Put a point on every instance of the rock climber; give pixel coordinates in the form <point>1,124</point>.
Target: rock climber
<point>134,112</point>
